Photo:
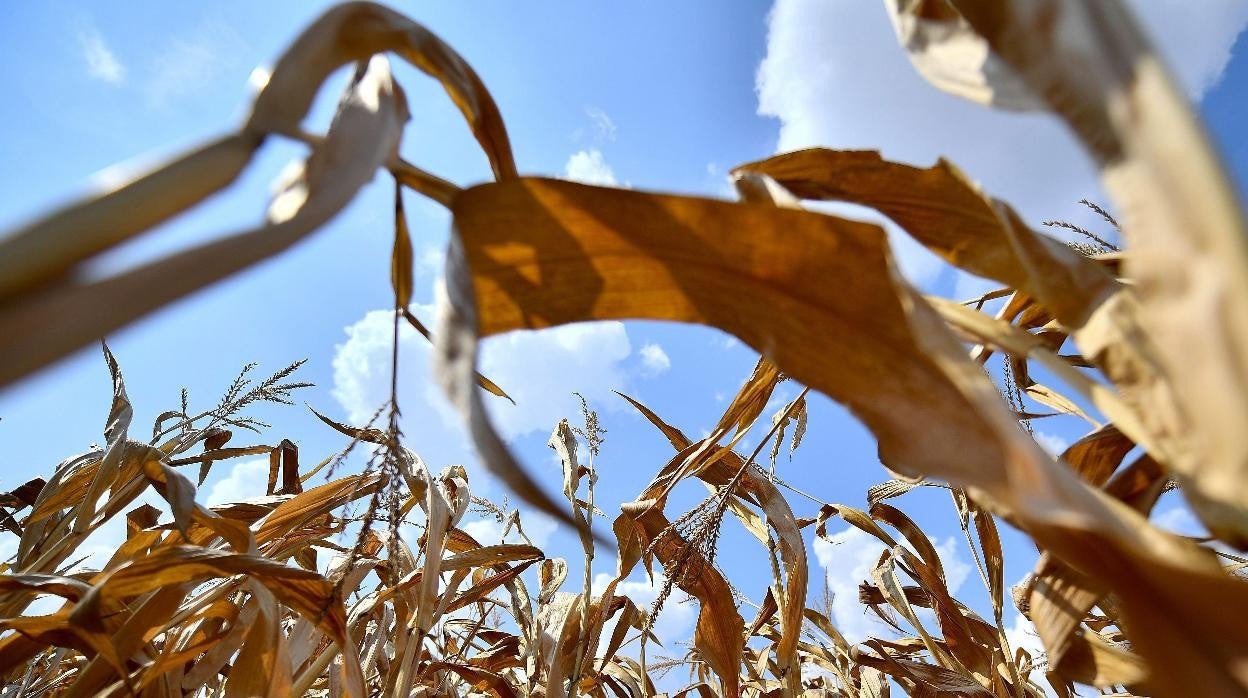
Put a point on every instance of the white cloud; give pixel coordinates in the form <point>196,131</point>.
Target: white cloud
<point>540,370</point>
<point>1196,38</point>
<point>8,545</point>
<point>589,167</point>
<point>185,65</point>
<point>654,359</point>
<point>102,63</point>
<point>1022,633</point>
<point>359,373</point>
<point>362,384</point>
<point>835,75</point>
<point>726,341</point>
<point>1179,519</point>
<point>675,621</point>
<point>430,262</point>
<point>103,541</point>
<point>848,557</point>
<point>1052,444</point>
<point>537,526</point>
<point>603,125</point>
<point>248,479</point>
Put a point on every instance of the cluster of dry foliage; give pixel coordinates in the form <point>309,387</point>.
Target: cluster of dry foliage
<point>231,599</point>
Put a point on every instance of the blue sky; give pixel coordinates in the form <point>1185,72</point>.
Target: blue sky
<point>657,96</point>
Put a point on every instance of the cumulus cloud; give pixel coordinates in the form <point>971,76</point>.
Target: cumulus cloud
<point>835,75</point>
<point>537,526</point>
<point>848,557</point>
<point>1022,633</point>
<point>247,480</point>
<point>540,370</point>
<point>654,359</point>
<point>676,620</point>
<point>1195,39</point>
<point>361,367</point>
<point>589,167</point>
<point>102,63</point>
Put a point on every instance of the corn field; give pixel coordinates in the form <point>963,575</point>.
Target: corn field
<point>261,598</point>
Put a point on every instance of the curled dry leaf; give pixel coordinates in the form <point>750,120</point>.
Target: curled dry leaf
<point>365,133</point>
<point>35,279</point>
<point>534,253</point>
<point>1100,75</point>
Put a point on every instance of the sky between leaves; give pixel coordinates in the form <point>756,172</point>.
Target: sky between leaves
<point>656,97</point>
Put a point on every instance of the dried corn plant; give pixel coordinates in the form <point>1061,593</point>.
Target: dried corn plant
<point>1154,336</point>
<point>235,598</point>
